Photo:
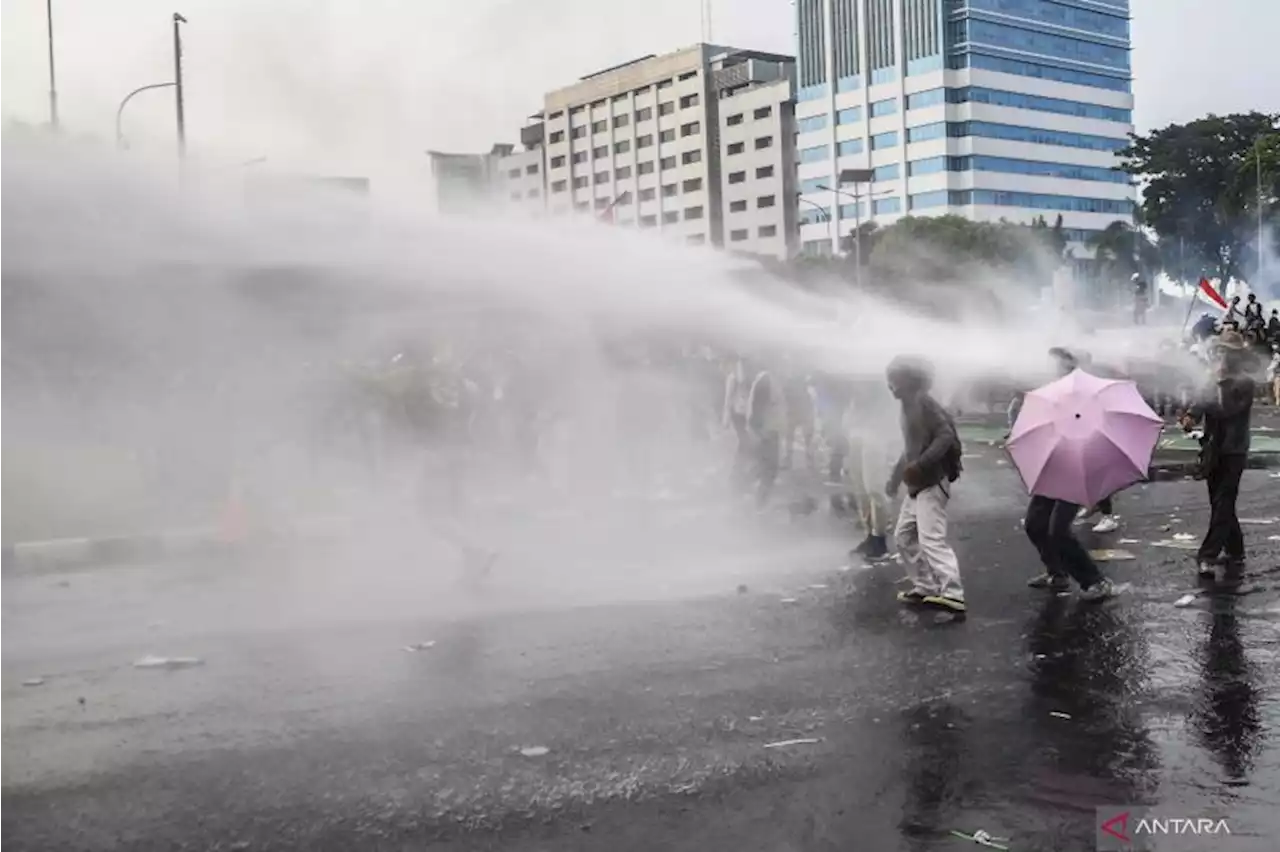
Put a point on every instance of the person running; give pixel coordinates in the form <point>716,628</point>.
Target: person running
<point>1225,410</point>
<point>929,465</point>
<point>766,419</point>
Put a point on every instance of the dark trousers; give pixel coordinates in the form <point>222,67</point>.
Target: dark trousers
<point>1105,507</point>
<point>1224,526</point>
<point>768,453</point>
<point>1048,525</point>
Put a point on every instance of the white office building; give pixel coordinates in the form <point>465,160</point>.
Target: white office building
<point>697,145</point>
<point>989,109</point>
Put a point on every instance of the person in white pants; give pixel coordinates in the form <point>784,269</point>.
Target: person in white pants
<point>929,465</point>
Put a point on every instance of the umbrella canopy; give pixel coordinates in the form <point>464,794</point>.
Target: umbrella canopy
<point>1083,438</point>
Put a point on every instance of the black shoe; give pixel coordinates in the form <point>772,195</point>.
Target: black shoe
<point>875,547</point>
<point>1054,582</point>
<point>861,549</point>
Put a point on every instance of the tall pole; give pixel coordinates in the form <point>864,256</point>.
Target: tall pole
<point>177,83</point>
<point>1257,157</point>
<point>53,79</point>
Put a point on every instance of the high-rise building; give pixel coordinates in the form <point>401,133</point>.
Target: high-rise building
<point>989,109</point>
<point>697,144</point>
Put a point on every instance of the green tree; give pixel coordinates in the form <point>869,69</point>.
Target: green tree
<point>1200,186</point>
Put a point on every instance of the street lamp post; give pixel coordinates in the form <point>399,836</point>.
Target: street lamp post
<point>123,103</point>
<point>53,80</point>
<point>177,83</point>
<point>822,210</point>
<point>855,177</point>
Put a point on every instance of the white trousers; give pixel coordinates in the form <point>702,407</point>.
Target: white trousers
<point>921,536</point>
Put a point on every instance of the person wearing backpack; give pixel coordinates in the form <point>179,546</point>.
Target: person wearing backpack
<point>929,465</point>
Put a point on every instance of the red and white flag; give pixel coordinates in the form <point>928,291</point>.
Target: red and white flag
<point>607,215</point>
<point>1212,294</point>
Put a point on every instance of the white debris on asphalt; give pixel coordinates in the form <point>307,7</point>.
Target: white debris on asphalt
<point>33,681</point>
<point>1111,555</point>
<point>1180,545</point>
<point>818,586</point>
<point>535,751</point>
<point>420,646</point>
<point>785,743</point>
<point>1059,715</point>
<point>788,600</point>
<point>1260,522</point>
<point>1185,601</point>
<point>151,661</point>
<point>1183,537</point>
<point>1129,541</point>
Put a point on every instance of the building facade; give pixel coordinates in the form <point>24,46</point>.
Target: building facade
<point>697,145</point>
<point>989,109</point>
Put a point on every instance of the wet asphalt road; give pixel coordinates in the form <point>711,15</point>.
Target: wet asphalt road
<point>304,733</point>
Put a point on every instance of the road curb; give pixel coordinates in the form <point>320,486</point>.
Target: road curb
<point>66,553</point>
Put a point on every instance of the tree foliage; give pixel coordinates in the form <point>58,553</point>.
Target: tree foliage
<point>1201,187</point>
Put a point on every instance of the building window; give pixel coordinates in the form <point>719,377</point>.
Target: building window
<point>925,132</point>
<point>810,124</point>
<point>667,136</point>
<point>644,141</point>
<point>578,132</point>
<point>738,235</point>
<point>812,185</point>
<point>602,203</point>
<point>669,190</point>
<point>737,206</point>
<point>849,146</point>
<point>621,147</point>
<point>765,201</point>
<point>579,156</point>
<point>887,205</point>
<point>514,173</point>
<point>816,154</point>
<point>692,213</point>
<point>852,115</point>
<point>665,84</point>
<point>696,239</point>
<point>688,75</point>
<point>886,107</point>
<point>764,172</point>
<point>579,182</point>
<point>666,108</point>
<point>559,186</point>
<point>600,152</point>
<point>557,114</point>
<point>582,206</point>
<point>599,126</point>
<point>556,136</point>
<point>762,112</point>
<point>667,163</point>
<point>601,177</point>
<point>734,120</point>
<point>1035,135</point>
<point>691,185</point>
<point>933,97</point>
<point>575,110</point>
<point>645,168</point>
<point>671,217</point>
<point>621,120</point>
<point>736,148</point>
<point>531,169</point>
<point>623,199</point>
<point>737,177</point>
<point>694,156</point>
<point>617,98</point>
<point>889,172</point>
<point>622,173</point>
<point>763,142</point>
<point>925,200</point>
<point>644,114</point>
<point>648,194</point>
<point>533,193</point>
<point>691,129</point>
<point>767,231</point>
<point>1018,100</point>
<point>516,196</point>
<point>648,221</point>
<point>884,140</point>
<point>597,104</point>
<point>688,101</point>
<point>929,166</point>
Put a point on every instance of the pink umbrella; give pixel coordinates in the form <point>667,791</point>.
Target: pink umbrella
<point>1083,438</point>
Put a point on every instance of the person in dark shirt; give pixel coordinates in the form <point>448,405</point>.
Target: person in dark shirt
<point>1204,327</point>
<point>1224,409</point>
<point>1273,325</point>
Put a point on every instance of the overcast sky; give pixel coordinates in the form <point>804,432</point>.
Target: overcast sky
<point>364,86</point>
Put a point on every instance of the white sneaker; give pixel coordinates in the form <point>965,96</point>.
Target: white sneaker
<point>1085,513</point>
<point>1108,524</point>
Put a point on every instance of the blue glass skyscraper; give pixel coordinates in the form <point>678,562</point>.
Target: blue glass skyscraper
<point>985,108</point>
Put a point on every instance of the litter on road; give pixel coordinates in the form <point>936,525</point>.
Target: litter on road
<point>1183,537</point>
<point>151,661</point>
<point>982,838</point>
<point>1180,545</point>
<point>785,743</point>
<point>535,751</point>
<point>1260,522</point>
<point>788,600</point>
<point>33,681</point>
<point>1129,541</point>
<point>1059,715</point>
<point>1111,555</point>
<point>420,646</point>
<point>1186,600</point>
